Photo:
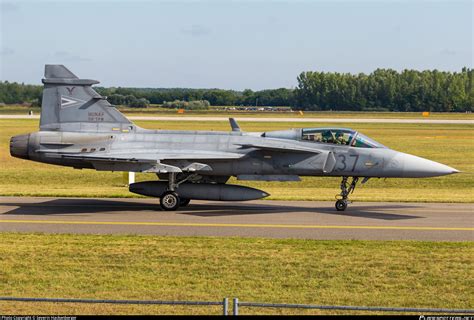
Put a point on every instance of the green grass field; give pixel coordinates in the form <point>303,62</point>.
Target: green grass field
<point>374,273</point>
<point>449,144</point>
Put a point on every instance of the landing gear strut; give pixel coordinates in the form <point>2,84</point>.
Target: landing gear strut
<point>346,189</point>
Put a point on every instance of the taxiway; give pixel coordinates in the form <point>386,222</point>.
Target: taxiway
<point>273,219</point>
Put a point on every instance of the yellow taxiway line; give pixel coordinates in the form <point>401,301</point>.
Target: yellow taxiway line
<point>238,225</point>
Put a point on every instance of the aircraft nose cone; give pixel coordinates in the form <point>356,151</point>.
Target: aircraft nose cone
<point>416,167</point>
<point>19,146</point>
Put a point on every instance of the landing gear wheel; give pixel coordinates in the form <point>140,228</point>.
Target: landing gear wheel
<point>341,205</point>
<point>169,201</point>
<point>184,202</point>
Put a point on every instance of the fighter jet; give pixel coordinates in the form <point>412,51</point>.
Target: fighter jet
<point>80,129</point>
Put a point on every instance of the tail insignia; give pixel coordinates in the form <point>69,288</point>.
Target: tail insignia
<point>67,101</point>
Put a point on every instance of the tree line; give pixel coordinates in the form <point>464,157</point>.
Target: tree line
<point>215,97</point>
<point>386,89</point>
<point>381,90</point>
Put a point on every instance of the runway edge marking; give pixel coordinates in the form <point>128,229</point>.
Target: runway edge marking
<point>239,225</point>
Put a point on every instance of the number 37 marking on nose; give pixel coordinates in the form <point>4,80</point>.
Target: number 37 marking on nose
<point>343,163</point>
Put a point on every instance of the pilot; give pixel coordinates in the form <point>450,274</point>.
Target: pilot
<point>340,138</point>
<point>327,136</point>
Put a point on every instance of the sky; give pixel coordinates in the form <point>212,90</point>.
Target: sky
<point>230,44</point>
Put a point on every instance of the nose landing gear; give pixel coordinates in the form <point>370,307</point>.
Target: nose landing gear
<point>346,189</point>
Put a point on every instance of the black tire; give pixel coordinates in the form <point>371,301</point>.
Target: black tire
<point>183,202</point>
<point>169,201</point>
<point>341,205</point>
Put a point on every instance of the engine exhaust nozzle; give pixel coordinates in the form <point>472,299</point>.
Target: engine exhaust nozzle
<point>19,146</point>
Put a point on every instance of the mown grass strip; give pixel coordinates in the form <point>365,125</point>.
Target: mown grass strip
<point>372,273</point>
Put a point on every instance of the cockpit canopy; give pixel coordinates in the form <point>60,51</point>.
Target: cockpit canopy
<point>340,136</point>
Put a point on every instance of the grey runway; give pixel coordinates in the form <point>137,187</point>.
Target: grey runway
<point>270,219</point>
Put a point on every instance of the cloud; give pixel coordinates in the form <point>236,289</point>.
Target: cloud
<point>6,51</point>
<point>68,57</point>
<point>196,30</point>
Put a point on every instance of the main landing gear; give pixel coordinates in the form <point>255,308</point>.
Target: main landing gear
<point>170,199</point>
<point>346,189</point>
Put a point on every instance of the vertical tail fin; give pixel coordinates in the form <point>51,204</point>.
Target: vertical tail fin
<point>70,104</point>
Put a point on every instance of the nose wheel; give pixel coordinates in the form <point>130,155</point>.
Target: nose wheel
<point>346,189</point>
<point>341,205</point>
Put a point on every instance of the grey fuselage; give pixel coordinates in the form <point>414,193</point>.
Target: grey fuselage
<point>255,164</point>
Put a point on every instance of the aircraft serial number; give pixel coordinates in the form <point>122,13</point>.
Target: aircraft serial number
<point>343,165</point>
